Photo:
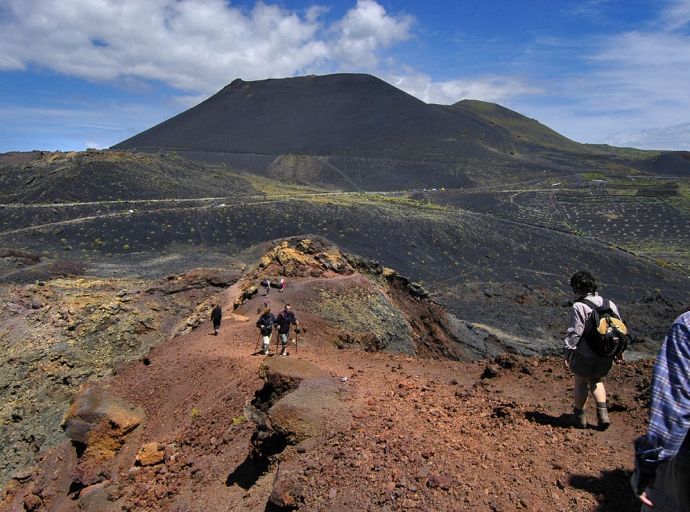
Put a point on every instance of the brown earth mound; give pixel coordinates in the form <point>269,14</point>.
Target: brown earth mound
<point>380,424</point>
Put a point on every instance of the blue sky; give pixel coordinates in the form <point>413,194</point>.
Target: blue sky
<point>90,73</point>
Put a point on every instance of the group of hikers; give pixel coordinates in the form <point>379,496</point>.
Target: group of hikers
<point>266,283</point>
<point>596,338</point>
<point>266,321</point>
<point>283,321</point>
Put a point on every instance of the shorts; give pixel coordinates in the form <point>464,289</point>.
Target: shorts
<point>586,366</point>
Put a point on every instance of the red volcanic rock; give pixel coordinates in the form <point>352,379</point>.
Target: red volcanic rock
<point>99,421</point>
<point>287,488</point>
<point>151,454</point>
<point>436,481</point>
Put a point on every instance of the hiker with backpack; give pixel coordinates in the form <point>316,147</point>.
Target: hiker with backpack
<point>283,321</point>
<point>662,455</point>
<point>265,323</point>
<point>267,284</point>
<point>586,353</point>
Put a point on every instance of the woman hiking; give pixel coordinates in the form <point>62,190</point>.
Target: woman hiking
<point>265,323</point>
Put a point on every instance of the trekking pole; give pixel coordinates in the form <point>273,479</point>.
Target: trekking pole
<point>256,347</point>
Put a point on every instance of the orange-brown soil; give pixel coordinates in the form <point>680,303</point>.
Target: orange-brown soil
<point>328,429</point>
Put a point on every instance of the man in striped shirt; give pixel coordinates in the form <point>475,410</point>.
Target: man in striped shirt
<point>662,456</point>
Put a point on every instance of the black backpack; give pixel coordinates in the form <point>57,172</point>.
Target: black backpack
<point>604,331</point>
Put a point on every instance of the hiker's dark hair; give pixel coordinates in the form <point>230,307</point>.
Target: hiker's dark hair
<point>583,282</point>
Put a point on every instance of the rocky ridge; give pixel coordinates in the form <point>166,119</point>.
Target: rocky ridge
<point>379,406</point>
<point>61,333</point>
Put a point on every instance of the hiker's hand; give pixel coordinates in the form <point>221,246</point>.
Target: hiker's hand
<point>566,363</point>
<point>620,358</point>
<point>641,480</point>
<point>644,499</point>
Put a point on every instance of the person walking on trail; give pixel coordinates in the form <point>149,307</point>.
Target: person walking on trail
<point>587,367</point>
<point>265,323</point>
<point>283,321</point>
<point>281,285</point>
<point>662,456</point>
<point>267,284</point>
<point>216,316</point>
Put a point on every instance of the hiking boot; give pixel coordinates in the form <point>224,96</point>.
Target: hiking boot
<point>575,420</point>
<point>283,353</point>
<point>603,418</point>
<point>265,350</point>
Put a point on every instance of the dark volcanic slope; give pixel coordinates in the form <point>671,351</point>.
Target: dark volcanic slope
<point>321,115</point>
<point>520,130</point>
<point>342,114</point>
<point>93,176</point>
<point>675,163</point>
<point>362,125</point>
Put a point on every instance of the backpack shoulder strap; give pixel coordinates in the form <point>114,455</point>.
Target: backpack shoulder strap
<point>611,311</point>
<point>590,303</point>
<point>605,309</point>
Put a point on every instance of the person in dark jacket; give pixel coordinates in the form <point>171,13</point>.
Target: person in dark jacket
<point>216,316</point>
<point>283,321</point>
<point>265,323</point>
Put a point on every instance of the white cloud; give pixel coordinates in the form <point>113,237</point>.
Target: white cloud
<point>676,15</point>
<point>668,137</point>
<point>363,31</point>
<point>649,62</point>
<point>498,89</point>
<point>193,45</point>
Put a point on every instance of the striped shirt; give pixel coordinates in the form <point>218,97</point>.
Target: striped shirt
<point>669,409</point>
<point>579,314</point>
